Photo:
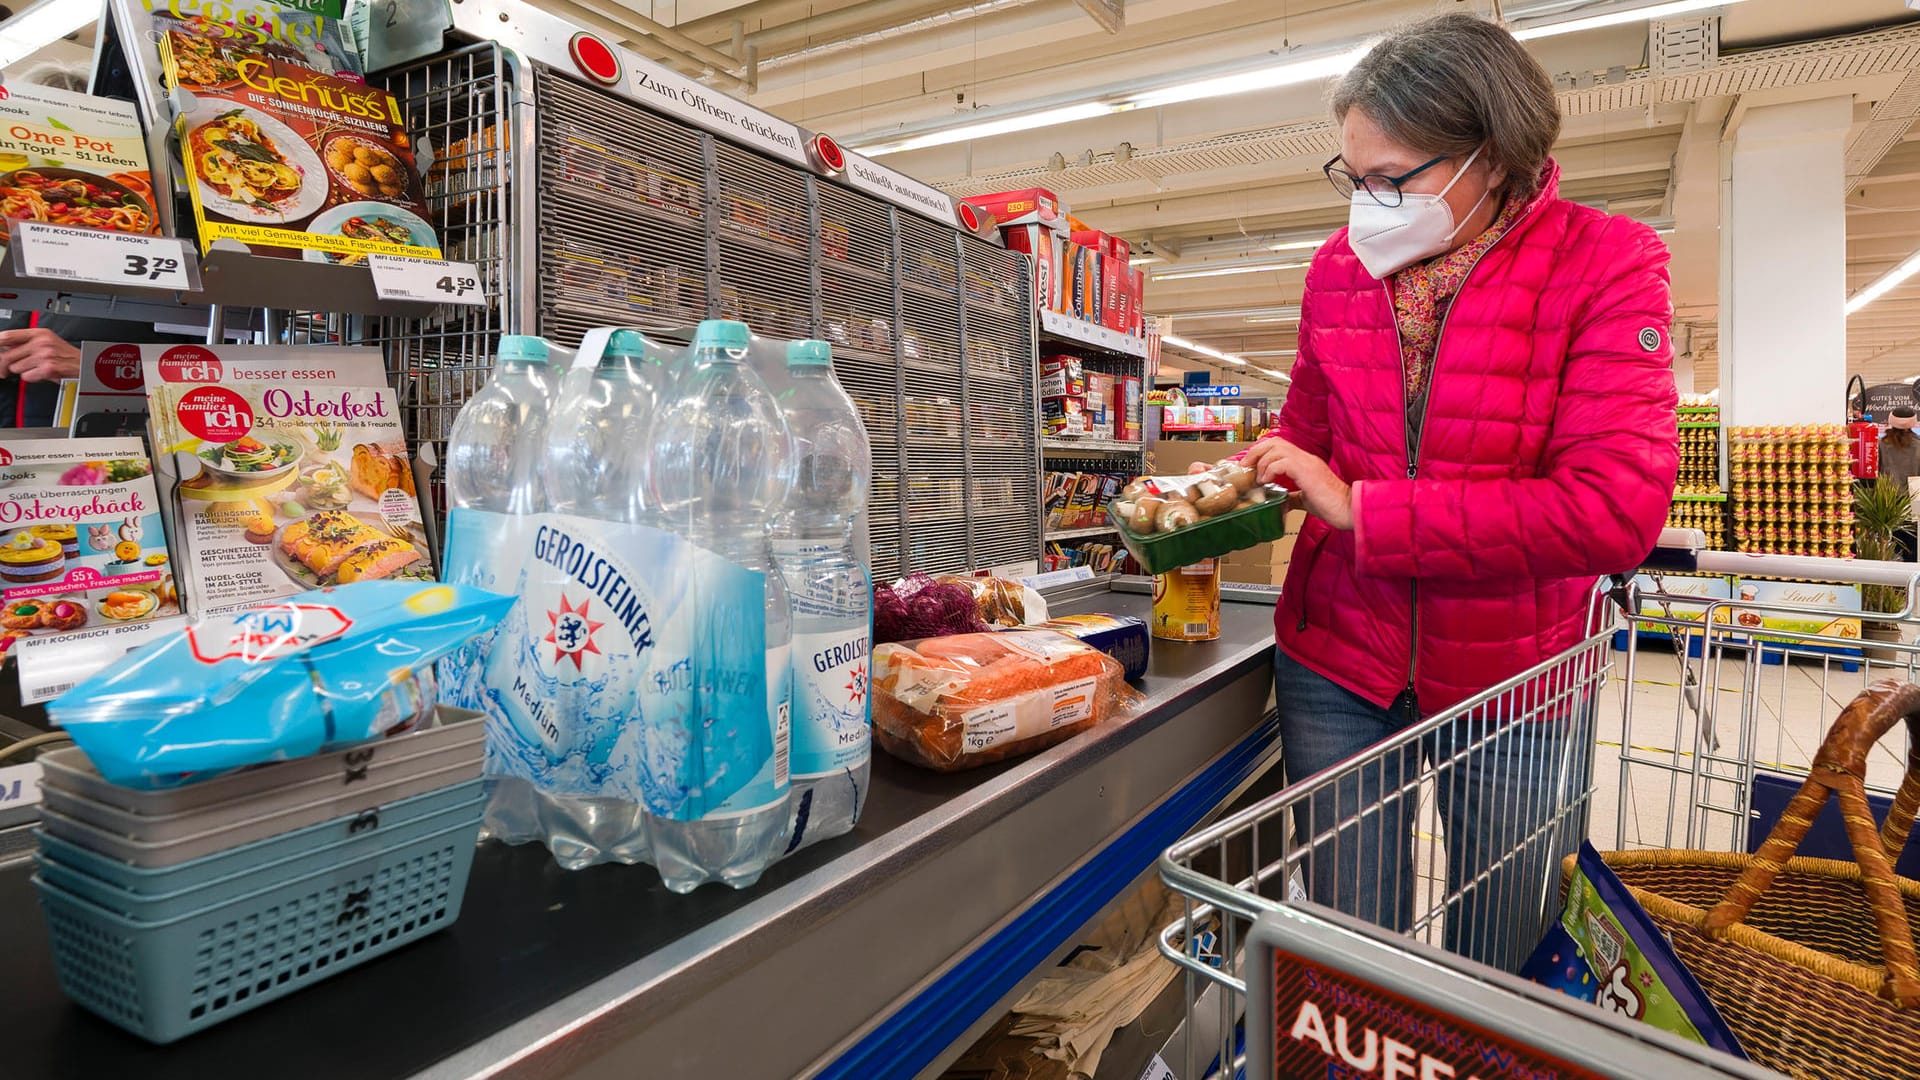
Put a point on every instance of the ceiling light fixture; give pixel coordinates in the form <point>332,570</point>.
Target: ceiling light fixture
<point>1270,352</point>
<point>1203,350</point>
<point>1143,260</point>
<point>1620,17</point>
<point>1006,125</point>
<point>1263,320</point>
<point>1281,375</point>
<point>41,25</point>
<point>1223,271</point>
<point>1299,245</point>
<point>1325,64</point>
<point>1884,284</point>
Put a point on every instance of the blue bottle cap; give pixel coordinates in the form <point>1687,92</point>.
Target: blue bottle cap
<point>809,354</point>
<point>626,343</point>
<point>524,347</point>
<point>722,334</point>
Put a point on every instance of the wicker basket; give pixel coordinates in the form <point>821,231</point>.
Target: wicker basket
<point>1810,961</point>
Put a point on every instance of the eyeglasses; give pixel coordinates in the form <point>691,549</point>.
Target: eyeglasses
<point>1384,189</point>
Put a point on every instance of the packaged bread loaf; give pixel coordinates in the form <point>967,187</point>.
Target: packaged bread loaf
<point>954,703</point>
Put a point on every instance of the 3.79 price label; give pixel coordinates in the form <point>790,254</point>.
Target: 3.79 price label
<point>432,281</point>
<point>99,257</point>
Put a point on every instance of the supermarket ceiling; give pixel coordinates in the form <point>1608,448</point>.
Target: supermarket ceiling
<point>1224,191</point>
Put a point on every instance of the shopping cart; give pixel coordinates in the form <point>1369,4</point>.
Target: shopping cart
<point>1685,718</point>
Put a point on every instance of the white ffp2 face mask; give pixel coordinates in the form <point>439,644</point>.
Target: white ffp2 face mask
<point>1390,238</point>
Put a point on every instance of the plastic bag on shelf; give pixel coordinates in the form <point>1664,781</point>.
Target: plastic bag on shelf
<point>1002,604</point>
<point>918,606</point>
<point>958,702</point>
<point>316,672</point>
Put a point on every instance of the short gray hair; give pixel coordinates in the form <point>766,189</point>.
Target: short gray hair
<point>1450,84</point>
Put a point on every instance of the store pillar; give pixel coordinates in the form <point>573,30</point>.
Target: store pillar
<point>1783,236</point>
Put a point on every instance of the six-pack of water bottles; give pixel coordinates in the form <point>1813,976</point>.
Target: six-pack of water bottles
<point>684,678</point>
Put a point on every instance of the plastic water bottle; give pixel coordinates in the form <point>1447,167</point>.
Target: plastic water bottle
<point>831,594</point>
<point>495,448</point>
<point>494,457</point>
<point>721,469</point>
<point>591,472</point>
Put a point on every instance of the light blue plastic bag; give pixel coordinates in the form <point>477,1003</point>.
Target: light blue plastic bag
<point>304,675</point>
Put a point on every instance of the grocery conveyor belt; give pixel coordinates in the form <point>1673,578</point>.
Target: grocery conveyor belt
<point>864,957</point>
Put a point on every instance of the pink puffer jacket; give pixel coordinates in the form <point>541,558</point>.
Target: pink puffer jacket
<point>1548,456</point>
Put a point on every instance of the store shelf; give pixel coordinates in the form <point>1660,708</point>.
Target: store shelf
<point>237,279</point>
<point>1693,426</point>
<point>1078,534</point>
<point>1720,496</point>
<point>1081,332</point>
<point>1090,446</point>
<point>1196,429</point>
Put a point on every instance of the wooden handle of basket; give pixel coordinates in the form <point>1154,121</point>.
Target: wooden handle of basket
<point>1840,770</point>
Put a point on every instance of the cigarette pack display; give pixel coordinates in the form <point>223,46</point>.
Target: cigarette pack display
<point>1101,411</point>
<point>1116,284</point>
<point>1065,417</point>
<point>1129,416</point>
<point>1137,313</point>
<point>73,160</point>
<point>1086,498</point>
<point>289,472</point>
<point>1027,206</point>
<point>1043,244</point>
<point>1062,376</point>
<point>82,547</point>
<point>292,161</point>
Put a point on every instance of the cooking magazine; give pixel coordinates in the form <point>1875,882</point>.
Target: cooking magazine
<point>72,159</point>
<point>295,162</point>
<point>282,473</point>
<point>82,545</point>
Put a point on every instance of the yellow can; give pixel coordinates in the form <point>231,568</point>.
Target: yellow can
<point>1186,603</point>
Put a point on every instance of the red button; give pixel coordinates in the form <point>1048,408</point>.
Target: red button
<point>829,152</point>
<point>595,59</point>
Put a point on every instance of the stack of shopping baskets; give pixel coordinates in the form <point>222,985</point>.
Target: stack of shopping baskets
<point>172,910</point>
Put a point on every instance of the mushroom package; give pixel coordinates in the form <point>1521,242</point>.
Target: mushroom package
<point>1164,504</point>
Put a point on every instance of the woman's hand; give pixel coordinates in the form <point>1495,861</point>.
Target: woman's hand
<point>38,355</point>
<point>1326,496</point>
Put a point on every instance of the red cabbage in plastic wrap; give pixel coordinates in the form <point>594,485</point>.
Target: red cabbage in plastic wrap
<point>920,607</point>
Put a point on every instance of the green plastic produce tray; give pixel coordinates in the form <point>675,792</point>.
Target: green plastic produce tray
<point>1233,531</point>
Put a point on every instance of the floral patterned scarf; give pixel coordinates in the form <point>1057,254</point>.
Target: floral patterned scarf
<point>1422,292</point>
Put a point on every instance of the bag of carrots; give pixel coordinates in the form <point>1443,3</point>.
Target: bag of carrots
<point>954,703</point>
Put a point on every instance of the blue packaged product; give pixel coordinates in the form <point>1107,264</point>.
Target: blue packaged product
<point>1122,637</point>
<point>304,675</point>
<point>1606,950</point>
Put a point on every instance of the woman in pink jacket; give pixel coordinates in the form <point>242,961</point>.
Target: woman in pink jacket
<point>1481,423</point>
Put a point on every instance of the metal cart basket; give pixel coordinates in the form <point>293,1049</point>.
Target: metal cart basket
<point>1687,716</point>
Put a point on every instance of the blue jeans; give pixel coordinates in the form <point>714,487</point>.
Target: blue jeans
<point>1511,802</point>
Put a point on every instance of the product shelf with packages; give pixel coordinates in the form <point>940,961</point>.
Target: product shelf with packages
<point>1676,763</point>
<point>537,165</point>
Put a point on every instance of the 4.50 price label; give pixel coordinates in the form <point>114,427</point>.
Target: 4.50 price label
<point>98,257</point>
<point>433,281</point>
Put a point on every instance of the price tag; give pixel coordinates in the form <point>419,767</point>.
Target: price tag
<point>1157,1070</point>
<point>50,666</point>
<point>99,257</point>
<point>432,281</point>
<point>1057,578</point>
